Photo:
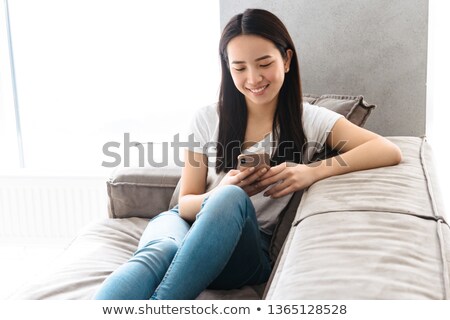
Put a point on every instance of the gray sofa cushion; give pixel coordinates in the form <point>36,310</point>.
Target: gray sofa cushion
<point>141,192</point>
<point>375,234</point>
<point>409,188</point>
<point>364,255</point>
<point>99,249</point>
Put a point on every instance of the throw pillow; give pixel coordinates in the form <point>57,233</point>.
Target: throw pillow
<point>354,108</point>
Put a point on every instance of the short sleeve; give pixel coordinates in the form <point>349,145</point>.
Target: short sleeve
<point>202,129</point>
<point>317,124</point>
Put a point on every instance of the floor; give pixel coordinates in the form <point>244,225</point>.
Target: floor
<point>22,260</point>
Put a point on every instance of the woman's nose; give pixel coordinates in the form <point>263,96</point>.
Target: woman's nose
<point>254,77</point>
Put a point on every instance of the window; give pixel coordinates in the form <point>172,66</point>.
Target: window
<point>89,72</point>
<point>9,153</point>
<point>437,88</point>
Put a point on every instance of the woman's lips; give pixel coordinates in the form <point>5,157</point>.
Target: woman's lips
<point>258,91</point>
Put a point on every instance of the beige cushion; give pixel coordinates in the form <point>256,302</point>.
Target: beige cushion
<point>409,188</point>
<point>141,192</point>
<point>101,248</point>
<point>374,234</point>
<point>364,255</point>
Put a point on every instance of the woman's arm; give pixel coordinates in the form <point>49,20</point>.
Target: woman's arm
<point>359,149</point>
<point>193,185</point>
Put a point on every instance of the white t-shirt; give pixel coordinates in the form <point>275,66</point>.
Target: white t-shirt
<point>317,123</point>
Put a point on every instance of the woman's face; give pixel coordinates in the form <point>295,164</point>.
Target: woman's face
<point>257,69</point>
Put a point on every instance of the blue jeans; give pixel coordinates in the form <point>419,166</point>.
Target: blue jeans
<point>223,249</point>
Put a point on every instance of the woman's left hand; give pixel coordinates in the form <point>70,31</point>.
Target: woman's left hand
<point>287,177</point>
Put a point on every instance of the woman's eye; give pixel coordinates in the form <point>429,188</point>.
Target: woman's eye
<point>266,65</point>
<point>239,69</point>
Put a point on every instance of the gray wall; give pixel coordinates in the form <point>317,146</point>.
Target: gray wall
<point>376,48</point>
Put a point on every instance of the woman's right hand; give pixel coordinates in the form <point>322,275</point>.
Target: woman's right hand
<point>245,179</point>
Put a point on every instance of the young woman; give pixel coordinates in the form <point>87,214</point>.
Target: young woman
<point>219,234</point>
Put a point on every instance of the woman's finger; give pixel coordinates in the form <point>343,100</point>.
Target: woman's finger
<point>251,175</point>
<point>278,190</point>
<point>273,171</point>
<point>265,182</point>
<point>252,189</point>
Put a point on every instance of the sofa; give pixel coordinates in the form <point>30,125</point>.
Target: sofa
<point>373,234</point>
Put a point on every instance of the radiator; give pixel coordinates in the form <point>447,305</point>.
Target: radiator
<point>49,207</point>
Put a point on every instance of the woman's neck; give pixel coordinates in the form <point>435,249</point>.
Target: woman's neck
<point>259,122</point>
<point>261,113</point>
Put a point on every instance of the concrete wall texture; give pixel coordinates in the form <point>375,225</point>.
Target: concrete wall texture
<point>374,48</point>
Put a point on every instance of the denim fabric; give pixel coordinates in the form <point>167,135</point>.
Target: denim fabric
<point>223,249</point>
<point>138,278</point>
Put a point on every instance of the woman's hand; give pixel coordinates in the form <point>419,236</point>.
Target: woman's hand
<point>288,177</point>
<point>246,179</point>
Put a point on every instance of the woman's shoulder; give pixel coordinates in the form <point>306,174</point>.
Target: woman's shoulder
<point>305,105</point>
<point>317,120</point>
<point>311,112</point>
<point>208,112</point>
<point>205,118</point>
<point>309,109</point>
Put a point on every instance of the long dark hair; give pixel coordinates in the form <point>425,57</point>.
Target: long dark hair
<point>288,114</point>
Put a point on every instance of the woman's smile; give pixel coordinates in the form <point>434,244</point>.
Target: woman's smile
<point>259,91</point>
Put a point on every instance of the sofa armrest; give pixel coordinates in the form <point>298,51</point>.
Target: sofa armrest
<point>141,192</point>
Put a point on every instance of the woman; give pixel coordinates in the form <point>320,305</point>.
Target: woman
<point>219,234</point>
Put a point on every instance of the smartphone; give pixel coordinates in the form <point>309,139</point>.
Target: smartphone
<point>257,160</point>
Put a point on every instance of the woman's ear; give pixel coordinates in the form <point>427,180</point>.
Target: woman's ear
<point>287,60</point>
